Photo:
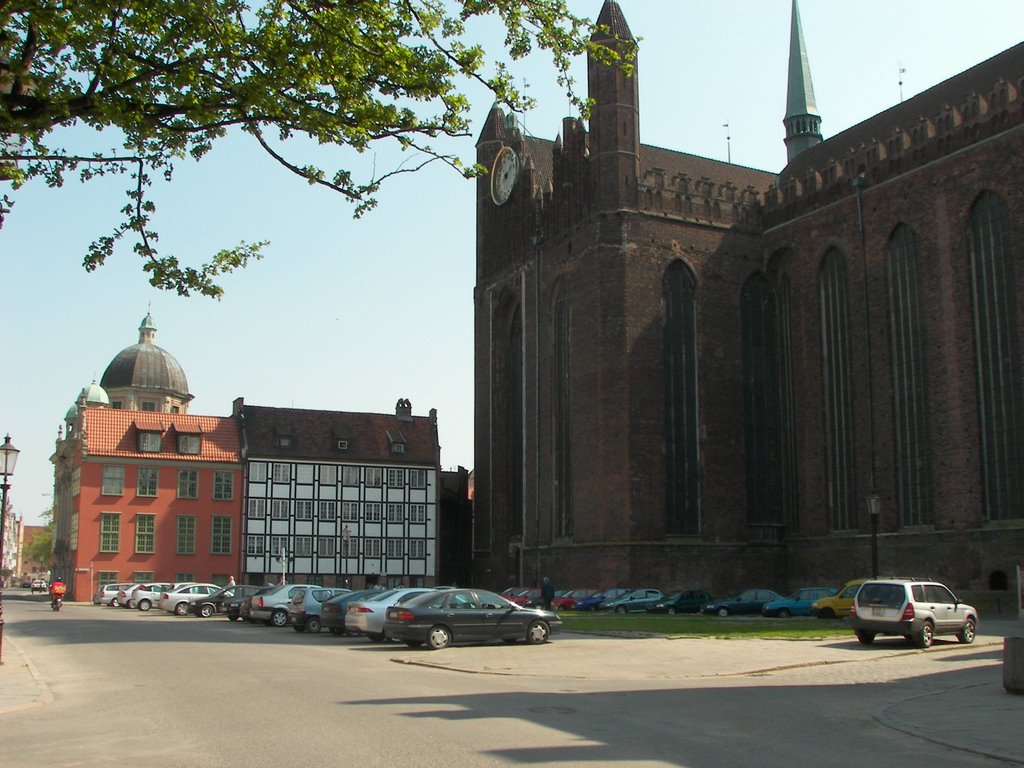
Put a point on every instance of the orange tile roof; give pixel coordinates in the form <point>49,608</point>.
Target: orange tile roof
<point>114,432</point>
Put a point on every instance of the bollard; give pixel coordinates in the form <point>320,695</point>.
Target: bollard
<point>1013,664</point>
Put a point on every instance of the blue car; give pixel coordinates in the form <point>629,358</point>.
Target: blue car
<point>747,601</point>
<point>591,603</point>
<point>797,604</point>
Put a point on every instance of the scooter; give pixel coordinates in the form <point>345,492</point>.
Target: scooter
<point>56,603</point>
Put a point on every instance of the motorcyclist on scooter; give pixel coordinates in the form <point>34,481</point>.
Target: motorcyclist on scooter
<point>57,590</point>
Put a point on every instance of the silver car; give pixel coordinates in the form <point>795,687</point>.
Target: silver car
<point>272,607</point>
<point>145,595</point>
<point>916,609</point>
<point>306,606</point>
<point>366,616</point>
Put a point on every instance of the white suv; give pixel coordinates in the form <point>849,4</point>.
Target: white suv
<point>916,609</point>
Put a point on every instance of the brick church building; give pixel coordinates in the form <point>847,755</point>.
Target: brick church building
<point>691,373</point>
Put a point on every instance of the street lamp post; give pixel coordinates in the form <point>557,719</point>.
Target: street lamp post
<point>346,535</point>
<point>874,509</point>
<point>8,458</point>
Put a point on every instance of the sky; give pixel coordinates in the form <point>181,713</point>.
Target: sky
<point>351,315</point>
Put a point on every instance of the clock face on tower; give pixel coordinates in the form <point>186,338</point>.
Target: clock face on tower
<point>504,173</point>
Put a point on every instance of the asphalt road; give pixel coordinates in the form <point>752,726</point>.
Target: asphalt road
<point>149,689</point>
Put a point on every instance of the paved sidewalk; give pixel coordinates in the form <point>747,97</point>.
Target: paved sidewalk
<point>981,718</point>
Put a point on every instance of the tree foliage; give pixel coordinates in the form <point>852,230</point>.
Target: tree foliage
<point>170,77</point>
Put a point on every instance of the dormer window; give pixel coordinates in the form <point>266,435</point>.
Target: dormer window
<point>189,444</point>
<point>396,441</point>
<point>284,441</point>
<point>398,448</point>
<point>149,442</point>
<point>341,445</point>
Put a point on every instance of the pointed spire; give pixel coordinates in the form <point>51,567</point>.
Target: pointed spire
<point>611,17</point>
<point>802,120</point>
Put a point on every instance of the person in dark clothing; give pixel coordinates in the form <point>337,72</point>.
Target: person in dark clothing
<point>547,593</point>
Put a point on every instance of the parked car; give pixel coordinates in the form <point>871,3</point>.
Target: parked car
<point>593,601</point>
<point>526,597</point>
<point>797,604</point>
<point>838,605</point>
<point>747,601</point>
<point>366,616</point>
<point>236,608</point>
<point>682,601</point>
<point>145,595</point>
<point>332,613</point>
<point>104,595</point>
<point>441,618</point>
<point>205,607</point>
<point>637,601</point>
<point>272,607</point>
<point>38,585</point>
<point>177,600</point>
<point>26,584</point>
<point>917,610</point>
<point>306,606</point>
<point>564,602</point>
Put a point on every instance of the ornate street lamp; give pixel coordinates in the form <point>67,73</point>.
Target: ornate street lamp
<point>8,459</point>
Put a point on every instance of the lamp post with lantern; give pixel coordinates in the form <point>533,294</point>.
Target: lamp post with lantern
<point>8,458</point>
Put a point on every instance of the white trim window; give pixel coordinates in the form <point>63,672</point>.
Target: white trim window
<point>279,509</point>
<point>373,511</point>
<point>277,544</point>
<point>303,546</point>
<point>188,444</point>
<point>371,548</point>
<point>417,513</point>
<point>396,513</point>
<point>394,547</point>
<point>258,472</point>
<point>328,511</point>
<point>257,508</point>
<point>254,545</point>
<point>350,548</point>
<point>281,473</point>
<point>396,477</point>
<point>149,442</point>
<point>304,474</point>
<point>326,546</point>
<point>350,476</point>
<point>373,477</point>
<point>417,478</point>
<point>223,486</point>
<point>113,481</point>
<point>350,511</point>
<point>303,509</point>
<point>328,474</point>
<point>417,548</point>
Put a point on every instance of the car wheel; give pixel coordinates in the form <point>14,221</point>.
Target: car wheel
<point>114,602</point>
<point>181,609</point>
<point>966,635</point>
<point>671,611</point>
<point>784,613</point>
<point>279,618</point>
<point>866,638</point>
<point>313,625</point>
<point>145,605</point>
<point>206,610</point>
<point>923,638</point>
<point>538,632</point>
<point>621,609</point>
<point>723,611</point>
<point>439,637</point>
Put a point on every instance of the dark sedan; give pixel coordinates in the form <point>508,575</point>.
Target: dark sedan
<point>236,608</point>
<point>215,603</point>
<point>684,601</point>
<point>442,618</point>
<point>332,613</point>
<point>747,601</point>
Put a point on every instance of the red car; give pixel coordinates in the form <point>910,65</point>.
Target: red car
<point>524,596</point>
<point>565,600</point>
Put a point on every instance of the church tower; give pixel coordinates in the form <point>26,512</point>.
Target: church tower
<point>802,121</point>
<point>614,119</point>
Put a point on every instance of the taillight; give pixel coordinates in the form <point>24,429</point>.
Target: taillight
<point>259,602</point>
<point>165,596</point>
<point>402,615</point>
<point>853,611</point>
<point>358,609</point>
<point>908,613</point>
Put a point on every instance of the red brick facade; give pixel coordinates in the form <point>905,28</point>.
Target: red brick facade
<point>601,218</point>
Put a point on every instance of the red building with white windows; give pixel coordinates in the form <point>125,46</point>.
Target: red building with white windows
<point>147,494</point>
